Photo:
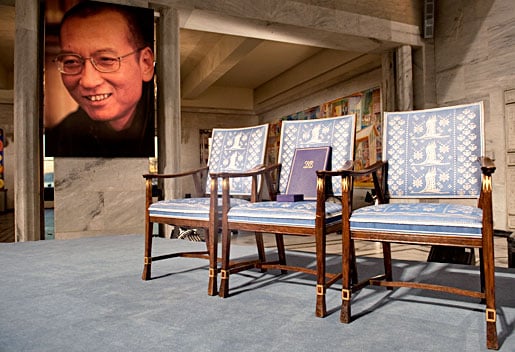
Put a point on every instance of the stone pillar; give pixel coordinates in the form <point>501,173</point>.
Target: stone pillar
<point>388,80</point>
<point>404,79</point>
<point>27,105</point>
<point>169,98</point>
<point>424,79</point>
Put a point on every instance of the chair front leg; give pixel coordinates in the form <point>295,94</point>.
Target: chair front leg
<point>212,238</point>
<point>149,229</point>
<point>226,253</point>
<point>212,247</point>
<point>349,267</point>
<point>491,314</point>
<point>348,270</point>
<point>147,258</point>
<point>226,240</point>
<point>482,271</point>
<point>321,310</point>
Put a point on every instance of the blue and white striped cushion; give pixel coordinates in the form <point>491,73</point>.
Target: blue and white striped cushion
<point>301,214</point>
<point>187,208</point>
<point>419,218</point>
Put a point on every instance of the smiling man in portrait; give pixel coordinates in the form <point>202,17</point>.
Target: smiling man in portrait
<point>106,63</point>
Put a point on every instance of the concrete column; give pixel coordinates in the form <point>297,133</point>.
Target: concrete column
<point>27,111</point>
<point>424,78</point>
<point>404,78</point>
<point>169,98</point>
<point>388,80</point>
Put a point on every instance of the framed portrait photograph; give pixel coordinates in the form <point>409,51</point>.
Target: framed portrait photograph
<point>99,80</point>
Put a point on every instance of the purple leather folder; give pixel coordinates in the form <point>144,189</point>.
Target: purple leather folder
<point>303,178</point>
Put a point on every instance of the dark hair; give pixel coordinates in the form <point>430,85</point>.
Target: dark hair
<point>140,21</point>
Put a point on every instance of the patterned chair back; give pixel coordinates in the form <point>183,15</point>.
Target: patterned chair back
<point>237,149</point>
<point>434,153</point>
<point>336,132</point>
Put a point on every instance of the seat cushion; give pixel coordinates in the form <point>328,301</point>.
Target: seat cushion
<point>300,214</point>
<point>187,208</point>
<point>419,218</point>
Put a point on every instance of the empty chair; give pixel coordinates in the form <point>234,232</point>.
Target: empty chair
<point>235,150</point>
<point>435,155</point>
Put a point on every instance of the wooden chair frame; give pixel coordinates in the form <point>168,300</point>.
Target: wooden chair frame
<point>211,225</point>
<point>234,146</point>
<point>337,133</point>
<point>319,232</point>
<point>483,243</point>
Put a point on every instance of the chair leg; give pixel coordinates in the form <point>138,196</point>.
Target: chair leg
<point>212,247</point>
<point>224,273</point>
<point>148,252</point>
<point>349,272</point>
<point>279,240</point>
<point>387,259</point>
<point>260,243</point>
<point>482,270</point>
<point>353,267</point>
<point>321,310</point>
<point>491,315</point>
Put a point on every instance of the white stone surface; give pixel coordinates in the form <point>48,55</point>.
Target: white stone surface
<point>99,196</point>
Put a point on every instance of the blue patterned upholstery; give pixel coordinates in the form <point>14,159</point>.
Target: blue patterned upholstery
<point>423,218</point>
<point>431,154</point>
<point>284,213</point>
<point>186,208</point>
<point>338,133</point>
<point>235,149</point>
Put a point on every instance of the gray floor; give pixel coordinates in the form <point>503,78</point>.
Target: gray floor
<point>87,295</point>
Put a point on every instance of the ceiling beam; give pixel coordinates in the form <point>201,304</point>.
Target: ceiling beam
<point>316,66</point>
<point>222,57</point>
<point>346,71</point>
<point>295,22</point>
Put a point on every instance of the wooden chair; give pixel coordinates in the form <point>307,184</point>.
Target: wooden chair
<point>436,155</point>
<point>312,217</point>
<point>235,150</point>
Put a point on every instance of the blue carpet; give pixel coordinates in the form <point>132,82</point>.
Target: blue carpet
<point>87,295</point>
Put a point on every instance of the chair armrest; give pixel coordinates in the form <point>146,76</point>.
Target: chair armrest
<point>487,165</point>
<point>378,171</point>
<point>265,171</point>
<point>197,175</point>
<point>257,170</point>
<point>374,168</point>
<point>175,175</point>
<point>347,167</point>
<point>485,197</point>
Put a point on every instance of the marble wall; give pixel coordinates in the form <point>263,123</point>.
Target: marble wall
<point>475,60</point>
<point>99,196</point>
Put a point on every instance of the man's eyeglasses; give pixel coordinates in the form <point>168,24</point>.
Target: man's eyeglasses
<point>73,64</point>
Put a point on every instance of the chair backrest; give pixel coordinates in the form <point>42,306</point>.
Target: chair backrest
<point>434,153</point>
<point>237,149</point>
<point>335,132</point>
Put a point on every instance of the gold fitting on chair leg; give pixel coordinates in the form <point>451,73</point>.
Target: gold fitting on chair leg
<point>491,315</point>
<point>148,260</point>
<point>320,290</point>
<point>223,274</point>
<point>211,272</point>
<point>345,295</point>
